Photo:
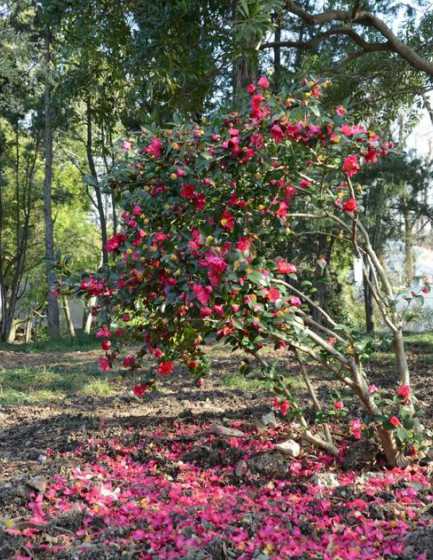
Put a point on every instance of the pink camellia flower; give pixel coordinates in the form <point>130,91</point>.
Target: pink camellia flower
<point>106,345</point>
<point>277,133</point>
<point>394,421</point>
<point>273,294</point>
<point>282,406</point>
<point>187,191</point>
<point>165,368</point>
<point>227,220</point>
<point>129,361</point>
<point>251,88</point>
<point>372,389</point>
<point>338,405</point>
<point>244,244</point>
<point>140,389</point>
<point>355,428</point>
<point>284,267</point>
<point>263,82</point>
<point>103,332</point>
<point>295,301</point>
<point>126,317</point>
<point>218,310</point>
<point>104,364</point>
<point>202,293</point>
<point>341,111</point>
<point>257,140</point>
<point>180,172</point>
<point>404,392</point>
<point>351,165</point>
<point>282,211</point>
<point>371,156</point>
<point>137,211</point>
<point>332,341</point>
<point>305,183</point>
<point>350,206</point>
<point>205,312</point>
<point>126,145</point>
<point>154,148</point>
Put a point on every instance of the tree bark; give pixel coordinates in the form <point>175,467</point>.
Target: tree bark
<point>245,63</point>
<point>53,321</point>
<point>368,299</point>
<point>97,186</point>
<point>409,265</point>
<point>343,21</point>
<point>68,318</point>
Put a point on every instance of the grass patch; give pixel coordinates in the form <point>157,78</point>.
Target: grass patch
<point>67,344</point>
<point>422,342</point>
<point>43,384</point>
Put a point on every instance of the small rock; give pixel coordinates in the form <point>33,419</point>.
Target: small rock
<point>289,447</point>
<point>419,542</point>
<point>269,419</point>
<point>326,480</point>
<point>241,469</point>
<point>220,430</point>
<point>269,465</point>
<point>38,483</point>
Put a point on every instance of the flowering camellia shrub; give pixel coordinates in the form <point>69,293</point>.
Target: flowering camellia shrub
<point>209,215</point>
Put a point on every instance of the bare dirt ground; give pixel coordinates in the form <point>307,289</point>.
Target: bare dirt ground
<point>37,440</point>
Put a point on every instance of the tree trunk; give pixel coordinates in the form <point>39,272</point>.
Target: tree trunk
<point>409,265</point>
<point>368,299</point>
<point>94,174</point>
<point>68,318</point>
<point>245,63</point>
<point>12,332</point>
<point>277,59</point>
<point>53,306</point>
<point>29,326</point>
<point>87,328</point>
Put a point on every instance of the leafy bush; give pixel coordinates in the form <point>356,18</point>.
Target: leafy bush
<point>210,215</point>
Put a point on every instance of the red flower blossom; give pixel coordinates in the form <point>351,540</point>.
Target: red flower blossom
<point>154,148</point>
<point>244,244</point>
<point>351,165</point>
<point>277,133</point>
<point>284,267</point>
<point>129,361</point>
<point>404,392</point>
<point>187,191</point>
<point>273,294</point>
<point>282,210</point>
<point>394,421</point>
<point>227,220</point>
<point>251,88</point>
<point>106,345</point>
<point>140,390</point>
<point>103,332</point>
<point>338,405</point>
<point>350,206</point>
<point>295,301</point>
<point>281,406</point>
<point>165,368</point>
<point>202,293</point>
<point>104,364</point>
<point>263,82</point>
<point>355,428</point>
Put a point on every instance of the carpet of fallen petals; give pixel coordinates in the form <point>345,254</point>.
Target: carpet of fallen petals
<point>144,496</point>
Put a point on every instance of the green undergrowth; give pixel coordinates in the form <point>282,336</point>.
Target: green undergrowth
<point>31,385</point>
<point>76,376</point>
